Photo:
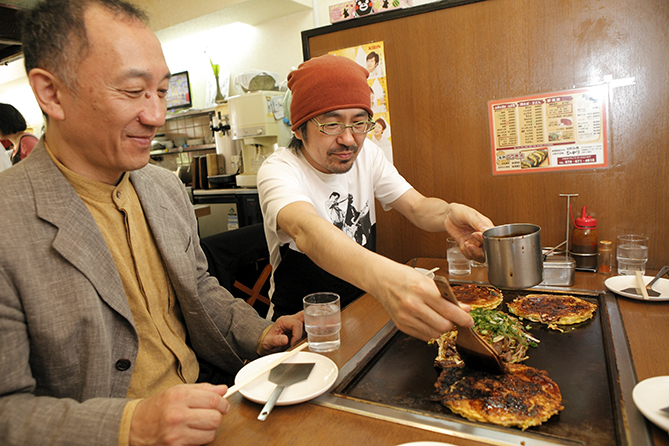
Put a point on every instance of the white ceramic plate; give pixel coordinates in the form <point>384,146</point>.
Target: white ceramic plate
<point>425,443</point>
<point>425,271</point>
<point>194,142</point>
<point>650,395</point>
<point>322,377</point>
<point>619,283</point>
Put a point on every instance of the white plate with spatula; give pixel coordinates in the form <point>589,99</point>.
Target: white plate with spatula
<point>618,285</point>
<point>321,378</point>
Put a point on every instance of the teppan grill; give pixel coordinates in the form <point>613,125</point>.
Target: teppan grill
<point>393,376</point>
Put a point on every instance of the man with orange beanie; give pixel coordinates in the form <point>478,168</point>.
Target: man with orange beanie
<point>317,198</point>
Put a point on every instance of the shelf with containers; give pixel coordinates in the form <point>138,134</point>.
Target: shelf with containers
<point>179,128</point>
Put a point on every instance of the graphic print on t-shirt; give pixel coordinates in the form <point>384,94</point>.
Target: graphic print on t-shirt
<point>356,224</point>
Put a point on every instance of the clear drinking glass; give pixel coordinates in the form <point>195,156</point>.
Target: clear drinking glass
<point>458,264</point>
<point>477,264</point>
<point>632,254</point>
<point>322,321</point>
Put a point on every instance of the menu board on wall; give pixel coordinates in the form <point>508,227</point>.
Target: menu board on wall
<point>372,57</point>
<point>563,130</point>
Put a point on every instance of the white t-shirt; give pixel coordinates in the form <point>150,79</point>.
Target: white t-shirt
<point>5,161</point>
<point>346,200</point>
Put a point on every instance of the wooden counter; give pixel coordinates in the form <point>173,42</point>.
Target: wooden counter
<point>646,325</point>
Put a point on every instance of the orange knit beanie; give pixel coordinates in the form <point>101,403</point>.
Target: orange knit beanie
<point>327,83</point>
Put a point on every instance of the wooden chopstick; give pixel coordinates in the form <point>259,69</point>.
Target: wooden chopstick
<point>641,286</point>
<point>232,390</point>
<point>427,273</point>
<point>554,248</point>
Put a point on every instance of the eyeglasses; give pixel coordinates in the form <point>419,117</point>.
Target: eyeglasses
<point>337,128</point>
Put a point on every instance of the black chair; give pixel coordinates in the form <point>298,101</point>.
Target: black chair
<point>239,256</point>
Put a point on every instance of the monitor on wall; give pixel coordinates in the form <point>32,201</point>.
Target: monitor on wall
<point>178,93</point>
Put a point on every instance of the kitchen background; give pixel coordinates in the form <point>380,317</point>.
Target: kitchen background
<point>239,35</point>
<point>446,63</point>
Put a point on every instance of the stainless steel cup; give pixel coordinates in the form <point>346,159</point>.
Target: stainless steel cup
<point>513,254</point>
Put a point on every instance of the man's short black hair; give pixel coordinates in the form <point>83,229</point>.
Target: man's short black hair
<point>54,34</point>
<point>297,143</point>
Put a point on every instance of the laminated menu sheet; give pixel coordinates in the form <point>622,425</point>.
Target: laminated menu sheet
<point>562,130</point>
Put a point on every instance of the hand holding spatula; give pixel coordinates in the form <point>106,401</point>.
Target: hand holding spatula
<point>472,348</point>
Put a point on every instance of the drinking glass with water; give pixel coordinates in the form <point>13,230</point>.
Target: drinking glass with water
<point>458,264</point>
<point>322,321</point>
<point>632,254</point>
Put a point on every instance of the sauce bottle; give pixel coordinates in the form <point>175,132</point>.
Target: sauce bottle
<point>584,242</point>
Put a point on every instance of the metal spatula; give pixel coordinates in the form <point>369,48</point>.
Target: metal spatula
<point>284,375</point>
<point>473,349</point>
<point>651,292</point>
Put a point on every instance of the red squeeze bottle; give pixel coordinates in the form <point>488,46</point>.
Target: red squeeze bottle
<point>584,242</point>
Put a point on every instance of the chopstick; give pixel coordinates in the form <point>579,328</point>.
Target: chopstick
<point>234,389</point>
<point>553,249</point>
<point>641,287</point>
<point>431,271</point>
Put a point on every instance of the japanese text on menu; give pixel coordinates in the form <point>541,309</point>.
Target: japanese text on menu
<point>553,131</point>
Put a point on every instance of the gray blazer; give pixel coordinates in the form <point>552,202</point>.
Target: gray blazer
<point>64,317</point>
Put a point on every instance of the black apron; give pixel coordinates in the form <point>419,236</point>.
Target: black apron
<point>298,276</point>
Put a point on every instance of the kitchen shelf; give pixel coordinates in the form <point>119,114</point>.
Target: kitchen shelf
<point>190,112</point>
<point>182,149</point>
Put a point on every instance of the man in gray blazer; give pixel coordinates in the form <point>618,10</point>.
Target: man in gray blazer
<point>94,349</point>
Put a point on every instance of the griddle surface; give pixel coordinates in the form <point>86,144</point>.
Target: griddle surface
<point>401,374</point>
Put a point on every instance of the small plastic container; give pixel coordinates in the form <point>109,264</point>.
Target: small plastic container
<point>605,257</point>
<point>559,270</point>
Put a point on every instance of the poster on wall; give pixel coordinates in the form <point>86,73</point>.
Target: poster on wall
<point>371,57</point>
<point>563,130</point>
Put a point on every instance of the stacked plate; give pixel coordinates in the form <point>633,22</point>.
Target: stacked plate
<point>195,142</point>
